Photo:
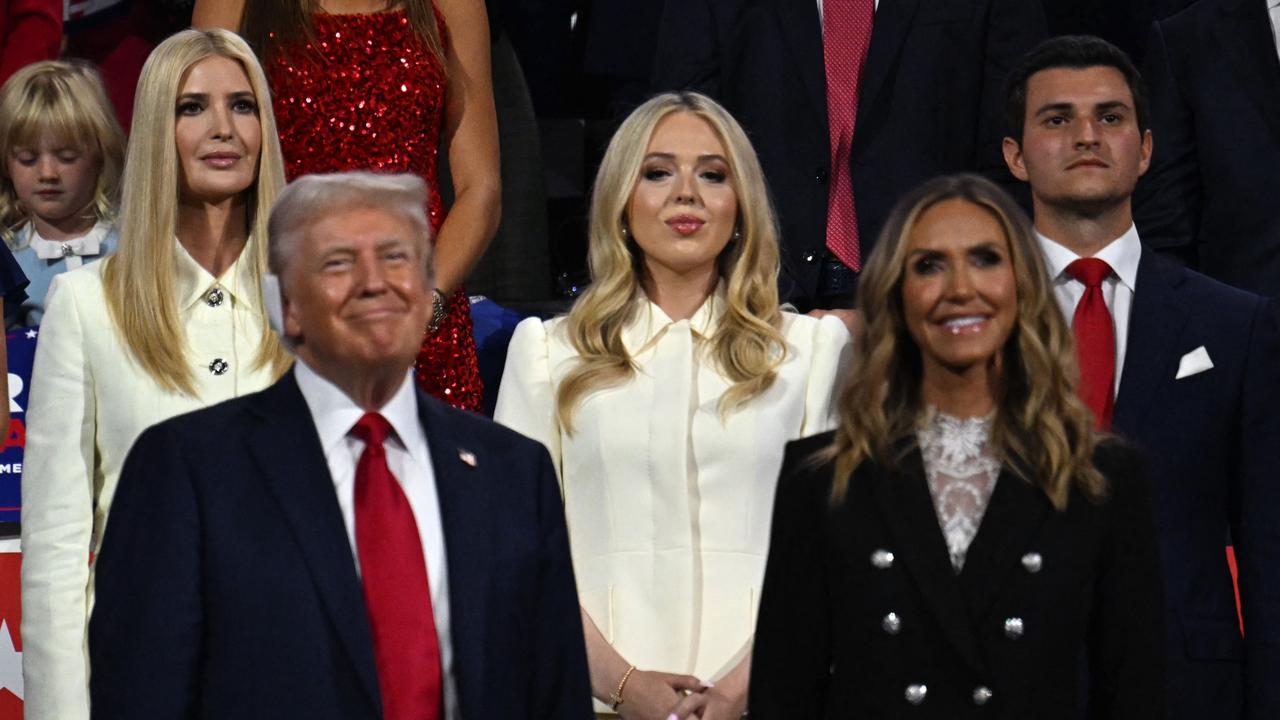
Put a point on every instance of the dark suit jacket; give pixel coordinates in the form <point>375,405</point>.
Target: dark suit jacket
<point>1213,444</point>
<point>1215,89</point>
<point>821,650</point>
<point>930,102</point>
<point>226,586</point>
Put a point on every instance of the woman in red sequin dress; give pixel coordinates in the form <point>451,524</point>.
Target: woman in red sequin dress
<point>384,85</point>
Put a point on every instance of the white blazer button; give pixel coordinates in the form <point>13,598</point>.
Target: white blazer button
<point>882,559</point>
<point>218,366</point>
<point>1032,562</point>
<point>214,297</point>
<point>981,695</point>
<point>915,693</point>
<point>891,623</point>
<point>1013,628</point>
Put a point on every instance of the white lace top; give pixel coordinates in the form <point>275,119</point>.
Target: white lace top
<point>962,472</point>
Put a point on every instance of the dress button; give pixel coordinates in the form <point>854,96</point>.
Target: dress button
<point>218,366</point>
<point>809,256</point>
<point>821,175</point>
<point>1032,562</point>
<point>1013,628</point>
<point>214,297</point>
<point>981,695</point>
<point>891,623</point>
<point>915,693</point>
<point>882,559</point>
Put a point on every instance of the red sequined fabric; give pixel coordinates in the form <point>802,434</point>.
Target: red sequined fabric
<point>368,94</point>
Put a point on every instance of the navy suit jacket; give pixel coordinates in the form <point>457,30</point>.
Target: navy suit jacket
<point>1215,98</point>
<point>931,101</point>
<point>1213,444</point>
<point>226,586</point>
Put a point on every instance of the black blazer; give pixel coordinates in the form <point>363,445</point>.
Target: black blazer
<point>931,101</point>
<point>822,650</point>
<point>1212,440</point>
<point>226,587</point>
<point>1211,189</point>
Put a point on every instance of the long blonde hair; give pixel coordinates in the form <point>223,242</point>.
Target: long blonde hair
<point>139,276</point>
<point>1041,430</point>
<point>65,99</point>
<point>747,345</point>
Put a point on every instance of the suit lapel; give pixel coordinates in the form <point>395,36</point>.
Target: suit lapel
<point>904,500</point>
<point>893,21</point>
<point>803,31</point>
<point>287,451</point>
<point>1244,33</point>
<point>1014,515</point>
<point>1155,323</point>
<point>463,481</point>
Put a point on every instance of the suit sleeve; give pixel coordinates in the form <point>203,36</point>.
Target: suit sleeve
<point>790,664</point>
<point>1167,201</point>
<point>526,398</point>
<point>59,498</point>
<point>1257,527</point>
<point>1126,634</point>
<point>145,632</point>
<point>687,56</point>
<point>32,32</point>
<point>561,679</point>
<point>832,347</point>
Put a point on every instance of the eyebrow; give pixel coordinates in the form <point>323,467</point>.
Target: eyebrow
<point>1066,106</point>
<point>980,245</point>
<point>670,156</point>
<point>238,94</point>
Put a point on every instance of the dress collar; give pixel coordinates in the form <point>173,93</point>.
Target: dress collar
<point>1122,254</point>
<point>88,244</point>
<point>649,323</point>
<point>193,283</point>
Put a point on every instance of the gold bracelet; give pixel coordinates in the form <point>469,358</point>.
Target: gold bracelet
<point>616,699</point>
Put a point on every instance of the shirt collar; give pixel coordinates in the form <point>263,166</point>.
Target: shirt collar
<point>650,323</point>
<point>193,282</point>
<point>1122,254</point>
<point>98,233</point>
<point>335,414</point>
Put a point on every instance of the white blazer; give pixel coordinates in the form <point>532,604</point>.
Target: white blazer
<point>669,504</point>
<point>89,401</point>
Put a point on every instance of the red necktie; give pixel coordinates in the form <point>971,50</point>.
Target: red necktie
<point>1095,340</point>
<point>396,592</point>
<point>846,36</point>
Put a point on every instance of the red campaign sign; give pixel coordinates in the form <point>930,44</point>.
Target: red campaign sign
<point>10,641</point>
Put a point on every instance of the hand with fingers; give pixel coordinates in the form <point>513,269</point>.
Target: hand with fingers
<point>650,695</point>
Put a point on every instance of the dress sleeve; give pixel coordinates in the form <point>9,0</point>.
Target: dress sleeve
<point>832,348</point>
<point>526,398</point>
<point>57,514</point>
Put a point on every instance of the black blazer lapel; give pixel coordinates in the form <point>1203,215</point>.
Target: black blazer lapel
<point>1243,31</point>
<point>1014,515</point>
<point>892,23</point>
<point>1156,320</point>
<point>287,450</point>
<point>803,30</point>
<point>463,483</point>
<point>903,498</point>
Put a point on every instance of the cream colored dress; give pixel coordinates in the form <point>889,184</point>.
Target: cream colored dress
<point>89,401</point>
<point>669,503</point>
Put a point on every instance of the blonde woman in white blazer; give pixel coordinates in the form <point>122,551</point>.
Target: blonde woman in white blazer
<point>172,322</point>
<point>665,397</point>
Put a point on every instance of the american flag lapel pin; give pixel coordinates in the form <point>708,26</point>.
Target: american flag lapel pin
<point>467,456</point>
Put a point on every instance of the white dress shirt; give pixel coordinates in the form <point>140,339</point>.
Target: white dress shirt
<point>90,399</point>
<point>668,501</point>
<point>1273,7</point>
<point>409,459</point>
<point>1122,254</point>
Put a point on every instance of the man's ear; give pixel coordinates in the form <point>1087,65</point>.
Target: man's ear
<point>1145,152</point>
<point>292,326</point>
<point>1013,158</point>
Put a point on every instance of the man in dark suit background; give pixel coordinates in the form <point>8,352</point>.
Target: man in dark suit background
<point>1214,75</point>
<point>1182,366</point>
<point>339,545</point>
<point>928,100</point>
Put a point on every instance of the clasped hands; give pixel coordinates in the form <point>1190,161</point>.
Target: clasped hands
<point>654,695</point>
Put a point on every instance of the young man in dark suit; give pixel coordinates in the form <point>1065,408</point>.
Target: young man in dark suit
<point>849,103</point>
<point>1180,365</point>
<point>339,546</point>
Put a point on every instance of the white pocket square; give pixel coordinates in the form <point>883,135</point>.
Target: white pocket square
<point>1196,361</point>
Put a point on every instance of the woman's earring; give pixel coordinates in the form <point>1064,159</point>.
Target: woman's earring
<point>737,234</point>
<point>625,232</point>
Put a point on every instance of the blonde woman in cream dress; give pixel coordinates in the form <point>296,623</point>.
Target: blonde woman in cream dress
<point>665,397</point>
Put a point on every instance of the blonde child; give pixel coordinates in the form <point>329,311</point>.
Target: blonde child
<point>60,179</point>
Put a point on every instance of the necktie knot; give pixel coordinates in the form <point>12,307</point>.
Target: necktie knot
<point>1089,271</point>
<point>371,428</point>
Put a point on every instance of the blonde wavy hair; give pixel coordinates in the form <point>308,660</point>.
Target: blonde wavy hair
<point>1042,431</point>
<point>747,345</point>
<point>66,100</point>
<point>139,276</point>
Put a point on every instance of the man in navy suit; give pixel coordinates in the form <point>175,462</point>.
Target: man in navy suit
<point>1192,369</point>
<point>339,545</point>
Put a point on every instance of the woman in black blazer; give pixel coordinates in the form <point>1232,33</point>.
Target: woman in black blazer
<point>963,544</point>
